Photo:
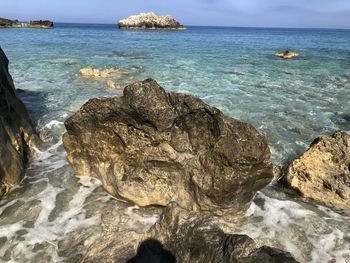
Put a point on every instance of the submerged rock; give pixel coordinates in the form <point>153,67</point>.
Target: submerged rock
<point>152,148</point>
<point>322,173</point>
<point>150,21</point>
<point>180,236</point>
<point>16,131</point>
<point>32,24</point>
<point>107,73</point>
<point>286,54</point>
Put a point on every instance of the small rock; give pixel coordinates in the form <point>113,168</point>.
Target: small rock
<point>286,54</point>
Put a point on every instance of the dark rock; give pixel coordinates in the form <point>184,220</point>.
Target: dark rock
<point>322,173</point>
<point>152,148</point>
<point>16,132</point>
<point>41,24</point>
<point>32,24</point>
<point>9,23</point>
<point>180,236</point>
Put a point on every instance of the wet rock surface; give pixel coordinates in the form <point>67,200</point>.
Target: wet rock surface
<point>150,21</point>
<point>322,173</point>
<point>151,148</point>
<point>16,131</point>
<point>181,236</point>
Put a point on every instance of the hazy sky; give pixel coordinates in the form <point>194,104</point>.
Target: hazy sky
<point>268,13</point>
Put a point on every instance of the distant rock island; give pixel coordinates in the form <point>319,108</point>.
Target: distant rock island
<point>32,24</point>
<point>150,21</point>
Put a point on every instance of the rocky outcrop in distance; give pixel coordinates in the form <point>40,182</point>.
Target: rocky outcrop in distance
<point>152,147</point>
<point>322,173</point>
<point>286,54</point>
<point>17,135</point>
<point>180,236</point>
<point>150,21</point>
<point>32,24</point>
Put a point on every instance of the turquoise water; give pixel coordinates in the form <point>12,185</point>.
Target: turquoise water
<point>234,69</point>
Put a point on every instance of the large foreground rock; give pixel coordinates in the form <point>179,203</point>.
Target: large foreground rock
<point>150,21</point>
<point>32,24</point>
<point>152,148</point>
<point>322,173</point>
<point>16,132</point>
<point>179,236</point>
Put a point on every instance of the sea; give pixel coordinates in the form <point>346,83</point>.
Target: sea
<point>53,215</point>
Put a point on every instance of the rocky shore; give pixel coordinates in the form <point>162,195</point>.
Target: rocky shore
<point>17,135</point>
<point>7,23</point>
<point>150,21</point>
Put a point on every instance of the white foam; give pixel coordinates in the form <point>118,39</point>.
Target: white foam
<point>295,228</point>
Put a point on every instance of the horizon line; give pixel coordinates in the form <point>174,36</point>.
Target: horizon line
<point>261,27</point>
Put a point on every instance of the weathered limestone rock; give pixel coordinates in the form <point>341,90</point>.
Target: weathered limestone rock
<point>152,148</point>
<point>32,24</point>
<point>16,132</point>
<point>286,54</point>
<point>179,236</point>
<point>322,173</point>
<point>108,73</point>
<point>150,21</point>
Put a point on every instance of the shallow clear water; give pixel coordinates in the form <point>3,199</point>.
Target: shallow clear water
<point>53,215</point>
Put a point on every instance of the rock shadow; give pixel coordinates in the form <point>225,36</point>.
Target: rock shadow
<point>152,251</point>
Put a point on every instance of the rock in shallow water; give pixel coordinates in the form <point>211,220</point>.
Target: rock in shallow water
<point>108,73</point>
<point>286,54</point>
<point>180,236</point>
<point>152,148</point>
<point>150,21</point>
<point>16,132</point>
<point>322,173</point>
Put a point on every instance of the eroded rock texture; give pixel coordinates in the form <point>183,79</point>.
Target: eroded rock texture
<point>180,236</point>
<point>322,173</point>
<point>149,21</point>
<point>16,132</point>
<point>152,148</point>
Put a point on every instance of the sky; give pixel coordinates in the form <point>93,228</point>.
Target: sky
<point>240,13</point>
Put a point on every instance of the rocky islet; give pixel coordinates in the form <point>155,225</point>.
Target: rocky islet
<point>150,21</point>
<point>7,23</point>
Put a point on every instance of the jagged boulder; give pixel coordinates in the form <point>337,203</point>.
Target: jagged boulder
<point>16,131</point>
<point>150,21</point>
<point>180,236</point>
<point>322,173</point>
<point>152,148</point>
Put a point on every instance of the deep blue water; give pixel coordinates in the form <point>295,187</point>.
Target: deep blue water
<point>234,69</point>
